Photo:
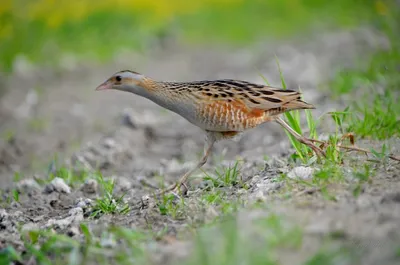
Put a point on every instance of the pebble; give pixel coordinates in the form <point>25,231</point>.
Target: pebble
<point>127,119</point>
<point>276,162</point>
<point>84,203</point>
<point>134,119</point>
<point>109,143</point>
<point>75,211</point>
<point>3,214</point>
<point>11,221</point>
<point>73,231</point>
<point>268,186</point>
<point>58,185</point>
<point>301,172</point>
<point>90,186</point>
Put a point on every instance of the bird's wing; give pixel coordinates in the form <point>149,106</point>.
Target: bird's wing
<point>253,96</point>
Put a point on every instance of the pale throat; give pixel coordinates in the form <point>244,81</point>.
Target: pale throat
<point>158,96</point>
<point>165,98</point>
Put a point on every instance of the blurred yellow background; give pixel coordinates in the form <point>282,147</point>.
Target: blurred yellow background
<point>40,29</point>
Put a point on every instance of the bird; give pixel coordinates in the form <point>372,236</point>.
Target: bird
<point>222,108</point>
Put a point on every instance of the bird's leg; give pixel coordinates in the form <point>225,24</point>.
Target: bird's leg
<point>301,138</point>
<point>208,145</point>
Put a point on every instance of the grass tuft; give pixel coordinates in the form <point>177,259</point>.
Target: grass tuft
<point>170,205</point>
<point>47,247</point>
<point>70,176</point>
<point>375,112</point>
<point>109,203</point>
<point>225,177</point>
<point>378,119</point>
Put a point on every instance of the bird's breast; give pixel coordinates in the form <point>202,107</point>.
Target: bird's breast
<point>185,108</point>
<point>228,116</point>
<point>219,115</point>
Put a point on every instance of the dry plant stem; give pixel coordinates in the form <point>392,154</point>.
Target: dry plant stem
<point>354,148</point>
<point>301,138</point>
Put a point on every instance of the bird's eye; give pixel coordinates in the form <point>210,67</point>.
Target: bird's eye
<point>118,78</point>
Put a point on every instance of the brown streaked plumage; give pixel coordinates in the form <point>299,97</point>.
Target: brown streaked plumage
<point>223,108</point>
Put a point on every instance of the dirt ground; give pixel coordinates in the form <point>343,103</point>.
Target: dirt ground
<point>46,113</point>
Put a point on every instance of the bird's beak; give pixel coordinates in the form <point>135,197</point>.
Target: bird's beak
<point>104,86</point>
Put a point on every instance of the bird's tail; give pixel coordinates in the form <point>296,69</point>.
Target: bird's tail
<point>297,104</point>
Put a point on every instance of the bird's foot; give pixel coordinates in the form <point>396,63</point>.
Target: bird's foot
<point>180,188</point>
<point>317,150</point>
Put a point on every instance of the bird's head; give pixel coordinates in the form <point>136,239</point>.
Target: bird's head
<point>125,81</point>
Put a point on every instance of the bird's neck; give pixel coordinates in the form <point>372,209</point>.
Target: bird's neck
<point>156,92</point>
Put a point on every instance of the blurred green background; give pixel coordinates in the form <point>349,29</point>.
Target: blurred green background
<point>42,30</point>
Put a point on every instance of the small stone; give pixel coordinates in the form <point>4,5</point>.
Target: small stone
<point>10,222</point>
<point>109,143</point>
<point>73,231</point>
<point>267,187</point>
<point>75,211</point>
<point>301,172</point>
<point>90,186</point>
<point>276,163</point>
<point>3,214</point>
<point>242,191</point>
<point>48,189</point>
<point>58,185</point>
<point>255,179</point>
<point>134,119</point>
<point>127,120</point>
<point>84,203</point>
<point>14,204</point>
<point>18,215</point>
